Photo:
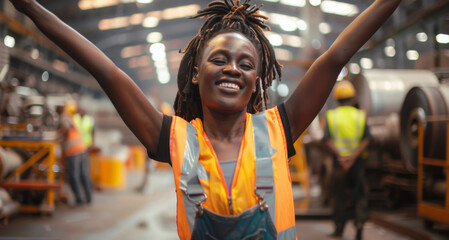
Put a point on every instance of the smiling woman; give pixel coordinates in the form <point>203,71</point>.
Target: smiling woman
<point>227,73</point>
<point>220,116</point>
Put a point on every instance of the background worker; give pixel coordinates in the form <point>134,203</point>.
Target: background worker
<point>77,168</point>
<point>347,136</point>
<point>85,124</point>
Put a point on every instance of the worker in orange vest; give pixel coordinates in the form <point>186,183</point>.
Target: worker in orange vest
<point>75,152</point>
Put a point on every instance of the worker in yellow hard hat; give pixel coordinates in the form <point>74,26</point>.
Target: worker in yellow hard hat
<point>347,136</point>
<point>70,107</point>
<point>75,155</point>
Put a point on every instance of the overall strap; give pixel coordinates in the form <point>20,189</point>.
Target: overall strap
<point>264,163</point>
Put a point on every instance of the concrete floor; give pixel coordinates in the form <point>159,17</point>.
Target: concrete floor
<point>151,214</point>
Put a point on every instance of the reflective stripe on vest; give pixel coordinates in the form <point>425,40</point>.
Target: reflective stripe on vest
<point>189,142</point>
<point>346,127</point>
<point>264,163</point>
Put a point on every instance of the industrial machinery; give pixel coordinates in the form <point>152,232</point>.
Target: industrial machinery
<point>28,162</point>
<point>433,174</point>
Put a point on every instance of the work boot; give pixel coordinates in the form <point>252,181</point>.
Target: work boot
<point>358,235</point>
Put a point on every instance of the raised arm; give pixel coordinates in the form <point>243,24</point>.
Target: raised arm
<point>132,105</point>
<point>313,90</point>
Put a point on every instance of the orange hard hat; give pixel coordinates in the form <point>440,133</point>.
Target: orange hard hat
<point>344,89</point>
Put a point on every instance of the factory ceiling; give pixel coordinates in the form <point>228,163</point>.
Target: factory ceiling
<point>144,37</point>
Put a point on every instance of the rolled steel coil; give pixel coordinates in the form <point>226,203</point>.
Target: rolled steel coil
<point>419,103</point>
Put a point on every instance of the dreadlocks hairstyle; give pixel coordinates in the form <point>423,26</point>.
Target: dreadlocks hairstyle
<point>226,16</point>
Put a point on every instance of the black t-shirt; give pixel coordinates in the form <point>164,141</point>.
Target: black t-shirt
<point>163,148</point>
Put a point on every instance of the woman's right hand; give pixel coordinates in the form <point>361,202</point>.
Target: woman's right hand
<point>22,5</point>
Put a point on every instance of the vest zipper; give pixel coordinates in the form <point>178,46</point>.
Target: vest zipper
<point>230,205</point>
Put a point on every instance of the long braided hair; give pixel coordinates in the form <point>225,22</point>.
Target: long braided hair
<point>226,16</point>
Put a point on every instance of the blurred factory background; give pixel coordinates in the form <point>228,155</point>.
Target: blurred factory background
<point>401,78</point>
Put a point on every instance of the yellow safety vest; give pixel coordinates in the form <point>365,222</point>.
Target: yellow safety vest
<point>263,153</point>
<point>85,125</point>
<point>346,127</point>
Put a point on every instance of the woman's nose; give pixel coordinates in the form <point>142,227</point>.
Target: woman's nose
<point>232,68</point>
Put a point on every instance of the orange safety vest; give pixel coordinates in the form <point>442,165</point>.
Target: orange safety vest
<point>73,144</point>
<point>263,142</point>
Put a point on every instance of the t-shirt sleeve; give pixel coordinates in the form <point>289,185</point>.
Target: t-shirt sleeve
<point>163,147</point>
<point>288,135</point>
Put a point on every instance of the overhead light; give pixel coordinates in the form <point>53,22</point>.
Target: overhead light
<point>390,51</point>
<point>302,25</point>
<point>315,2</point>
<point>163,76</point>
<point>422,37</point>
<point>113,23</point>
<point>288,25</point>
<point>157,47</point>
<point>9,41</point>
<point>293,41</point>
<point>136,19</point>
<point>45,76</point>
<point>294,3</point>
<point>150,22</point>
<point>366,63</point>
<point>92,4</point>
<point>154,37</point>
<point>412,55</point>
<point>181,11</point>
<point>283,90</point>
<point>339,8</point>
<point>354,68</point>
<point>34,54</point>
<point>325,28</point>
<point>442,38</point>
<point>275,39</point>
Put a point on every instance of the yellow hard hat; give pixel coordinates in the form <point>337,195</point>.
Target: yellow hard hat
<point>70,107</point>
<point>344,89</point>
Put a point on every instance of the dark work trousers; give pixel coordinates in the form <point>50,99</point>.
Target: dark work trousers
<point>349,193</point>
<point>78,173</point>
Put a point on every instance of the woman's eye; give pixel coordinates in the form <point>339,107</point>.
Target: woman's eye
<point>246,66</point>
<point>218,61</point>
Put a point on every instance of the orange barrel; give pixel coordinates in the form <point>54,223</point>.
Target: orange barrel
<point>112,173</point>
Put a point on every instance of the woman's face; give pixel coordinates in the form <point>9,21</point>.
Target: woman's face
<point>227,72</point>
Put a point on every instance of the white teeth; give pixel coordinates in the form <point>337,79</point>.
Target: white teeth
<point>229,85</point>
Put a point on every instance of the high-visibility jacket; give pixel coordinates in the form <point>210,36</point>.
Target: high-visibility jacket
<point>85,125</point>
<point>346,127</point>
<point>264,140</point>
<point>73,143</point>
